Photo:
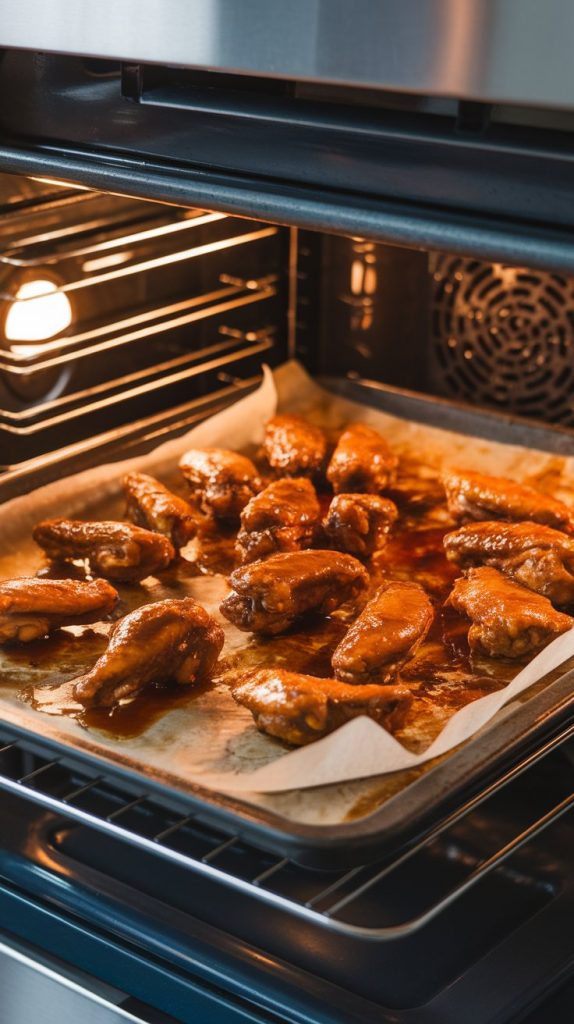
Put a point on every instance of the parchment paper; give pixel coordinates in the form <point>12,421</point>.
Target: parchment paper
<point>213,741</point>
<point>362,748</point>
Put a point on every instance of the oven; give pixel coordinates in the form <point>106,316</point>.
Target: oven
<point>188,191</point>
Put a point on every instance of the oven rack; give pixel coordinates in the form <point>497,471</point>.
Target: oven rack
<point>163,386</point>
<point>32,209</point>
<point>72,222</point>
<point>147,323</point>
<point>42,414</point>
<point>98,797</point>
<point>52,247</point>
<point>128,438</point>
<point>24,359</point>
<point>145,381</point>
<point>131,267</point>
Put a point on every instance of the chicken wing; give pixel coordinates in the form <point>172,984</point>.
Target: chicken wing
<point>508,620</point>
<point>359,523</point>
<point>476,496</point>
<point>268,596</point>
<point>537,556</point>
<point>31,608</point>
<point>224,481</point>
<point>282,517</point>
<point>168,640</point>
<point>150,504</point>
<point>295,447</point>
<point>299,708</point>
<point>388,630</point>
<point>362,461</point>
<point>118,551</point>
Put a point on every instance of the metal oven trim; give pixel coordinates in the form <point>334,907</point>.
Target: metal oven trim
<point>283,203</point>
<point>464,49</point>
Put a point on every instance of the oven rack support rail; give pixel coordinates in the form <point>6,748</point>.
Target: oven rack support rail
<point>129,438</point>
<point>33,766</point>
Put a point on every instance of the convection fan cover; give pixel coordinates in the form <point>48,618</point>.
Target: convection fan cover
<point>503,336</point>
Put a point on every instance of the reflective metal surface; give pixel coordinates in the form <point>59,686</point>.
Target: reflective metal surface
<point>38,988</point>
<point>512,50</point>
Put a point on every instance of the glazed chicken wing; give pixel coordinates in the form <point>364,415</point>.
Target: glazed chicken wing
<point>362,461</point>
<point>282,517</point>
<point>150,504</point>
<point>537,556</point>
<point>388,630</point>
<point>299,708</point>
<point>293,446</point>
<point>268,596</point>
<point>224,481</point>
<point>118,551</point>
<point>508,620</point>
<point>476,496</point>
<point>31,608</point>
<point>359,523</point>
<point>158,642</point>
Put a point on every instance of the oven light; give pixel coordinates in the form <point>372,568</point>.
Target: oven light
<point>38,312</point>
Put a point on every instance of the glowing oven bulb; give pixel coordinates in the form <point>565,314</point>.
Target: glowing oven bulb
<point>39,312</point>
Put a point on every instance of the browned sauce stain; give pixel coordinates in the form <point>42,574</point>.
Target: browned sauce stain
<point>39,652</point>
<point>372,800</point>
<point>63,571</point>
<point>133,718</point>
<point>216,548</point>
<point>60,650</point>
<point>324,499</point>
<point>415,552</point>
<point>307,649</point>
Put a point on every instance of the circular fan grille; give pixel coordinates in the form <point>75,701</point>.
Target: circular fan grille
<point>504,336</point>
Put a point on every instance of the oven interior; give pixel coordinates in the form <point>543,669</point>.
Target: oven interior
<point>122,319</point>
<point>116,311</point>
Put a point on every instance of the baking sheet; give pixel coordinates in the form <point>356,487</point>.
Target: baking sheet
<point>186,738</point>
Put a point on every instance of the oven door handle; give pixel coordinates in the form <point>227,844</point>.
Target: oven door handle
<point>35,986</point>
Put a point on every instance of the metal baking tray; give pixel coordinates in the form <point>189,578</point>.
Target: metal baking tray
<point>395,812</point>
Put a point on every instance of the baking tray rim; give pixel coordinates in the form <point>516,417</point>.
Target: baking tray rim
<point>405,819</point>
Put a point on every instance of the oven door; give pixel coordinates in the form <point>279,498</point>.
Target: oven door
<point>292,141</point>
<point>36,986</point>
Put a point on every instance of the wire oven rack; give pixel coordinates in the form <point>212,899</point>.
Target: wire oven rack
<point>100,800</point>
<point>122,440</point>
<point>163,299</point>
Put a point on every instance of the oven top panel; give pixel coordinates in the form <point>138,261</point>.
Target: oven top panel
<point>461,48</point>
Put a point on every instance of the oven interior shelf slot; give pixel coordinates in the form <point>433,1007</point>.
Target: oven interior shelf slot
<point>64,224</point>
<point>224,337</point>
<point>132,267</point>
<point>131,437</point>
<point>112,310</point>
<point>231,360</point>
<point>141,325</point>
<point>51,247</point>
<point>343,901</point>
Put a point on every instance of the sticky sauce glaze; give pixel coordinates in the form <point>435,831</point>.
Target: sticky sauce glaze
<point>443,675</point>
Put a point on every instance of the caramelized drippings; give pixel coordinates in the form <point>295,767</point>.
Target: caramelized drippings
<point>307,648</point>
<point>133,718</point>
<point>63,571</point>
<point>216,549</point>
